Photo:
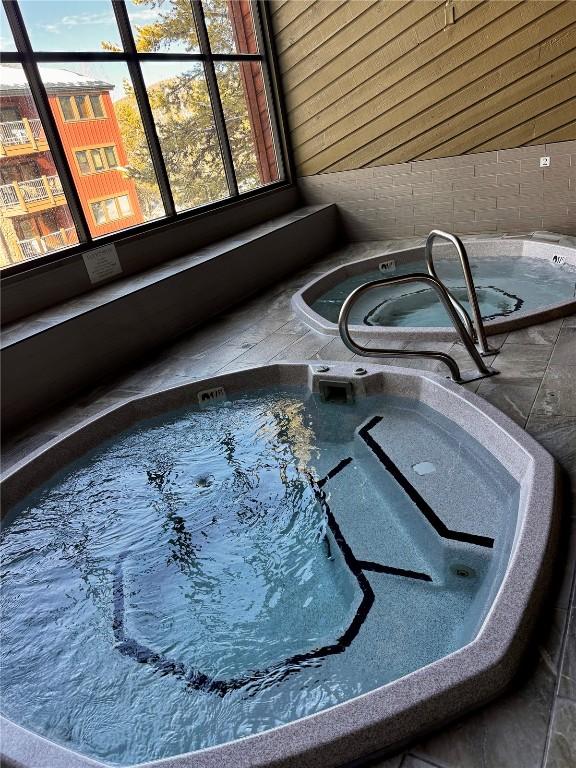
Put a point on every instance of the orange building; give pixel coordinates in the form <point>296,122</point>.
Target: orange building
<point>34,215</point>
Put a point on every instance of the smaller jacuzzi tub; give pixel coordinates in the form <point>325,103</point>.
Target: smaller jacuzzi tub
<point>285,566</point>
<point>518,282</point>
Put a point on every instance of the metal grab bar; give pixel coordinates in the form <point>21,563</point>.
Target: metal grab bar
<point>480,333</point>
<point>444,296</point>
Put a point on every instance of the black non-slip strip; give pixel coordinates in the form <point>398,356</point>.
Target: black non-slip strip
<point>362,565</point>
<point>368,565</point>
<point>194,679</point>
<point>419,501</point>
<point>338,468</point>
<point>273,674</point>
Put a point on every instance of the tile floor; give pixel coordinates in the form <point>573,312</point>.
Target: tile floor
<point>534,725</point>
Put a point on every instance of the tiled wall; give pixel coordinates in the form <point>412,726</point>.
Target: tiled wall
<point>500,191</point>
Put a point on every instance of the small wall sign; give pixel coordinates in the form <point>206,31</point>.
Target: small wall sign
<point>102,263</point>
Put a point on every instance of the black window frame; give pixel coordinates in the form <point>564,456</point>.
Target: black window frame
<point>29,59</point>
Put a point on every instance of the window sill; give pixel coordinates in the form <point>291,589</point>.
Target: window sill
<point>57,353</point>
<point>16,332</point>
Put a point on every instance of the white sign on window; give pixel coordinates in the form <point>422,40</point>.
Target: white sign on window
<point>102,263</point>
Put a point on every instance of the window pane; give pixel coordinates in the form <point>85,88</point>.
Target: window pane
<point>185,124</point>
<point>230,26</point>
<point>34,215</point>
<point>6,39</point>
<point>111,209</point>
<point>83,164</point>
<point>96,104</point>
<point>81,107</point>
<point>111,157</point>
<point>98,212</point>
<point>122,127</point>
<point>69,25</point>
<point>166,26</point>
<point>97,159</point>
<point>243,98</point>
<point>124,205</point>
<point>67,108</point>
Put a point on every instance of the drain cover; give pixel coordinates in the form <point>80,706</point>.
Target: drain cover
<point>463,571</point>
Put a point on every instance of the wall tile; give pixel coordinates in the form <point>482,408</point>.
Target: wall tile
<point>487,192</point>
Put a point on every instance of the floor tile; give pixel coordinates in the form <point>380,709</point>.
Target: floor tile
<point>538,353</point>
<point>306,347</point>
<point>562,586</point>
<point>558,435</point>
<point>510,733</point>
<point>413,762</point>
<point>562,747</point>
<point>398,761</point>
<point>546,333</point>
<point>336,351</point>
<point>513,400</point>
<point>268,348</point>
<point>567,682</point>
<point>557,395</point>
<point>519,372</point>
<point>565,350</point>
<point>552,629</point>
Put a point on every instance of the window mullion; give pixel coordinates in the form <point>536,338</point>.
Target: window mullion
<point>215,100</point>
<point>144,105</point>
<point>40,98</point>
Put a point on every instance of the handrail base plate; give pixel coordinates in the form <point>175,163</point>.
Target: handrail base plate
<point>467,376</point>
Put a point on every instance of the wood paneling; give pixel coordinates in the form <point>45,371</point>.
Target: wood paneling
<point>377,82</point>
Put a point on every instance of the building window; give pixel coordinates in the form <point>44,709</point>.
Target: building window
<point>111,159</point>
<point>180,91</point>
<point>96,159</point>
<point>111,209</point>
<point>81,107</point>
<point>83,162</point>
<point>67,108</point>
<point>96,104</point>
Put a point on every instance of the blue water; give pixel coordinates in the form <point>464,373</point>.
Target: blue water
<point>175,588</point>
<point>504,286</point>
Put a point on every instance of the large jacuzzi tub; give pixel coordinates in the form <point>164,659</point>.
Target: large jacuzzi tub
<point>518,281</point>
<point>285,566</point>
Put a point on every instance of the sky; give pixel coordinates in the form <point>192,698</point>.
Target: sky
<point>82,25</point>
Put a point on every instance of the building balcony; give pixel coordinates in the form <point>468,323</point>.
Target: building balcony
<point>53,241</point>
<point>30,196</point>
<point>22,137</point>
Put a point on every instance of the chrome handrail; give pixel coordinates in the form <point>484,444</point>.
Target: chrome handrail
<point>445,298</point>
<point>478,333</point>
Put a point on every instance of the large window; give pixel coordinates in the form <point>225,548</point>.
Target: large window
<point>118,113</point>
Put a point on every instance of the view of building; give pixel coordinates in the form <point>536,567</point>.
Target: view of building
<point>34,214</point>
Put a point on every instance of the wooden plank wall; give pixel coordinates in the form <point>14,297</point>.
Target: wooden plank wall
<point>376,82</point>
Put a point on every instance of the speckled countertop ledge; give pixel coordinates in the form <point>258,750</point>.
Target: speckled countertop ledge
<point>23,329</point>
